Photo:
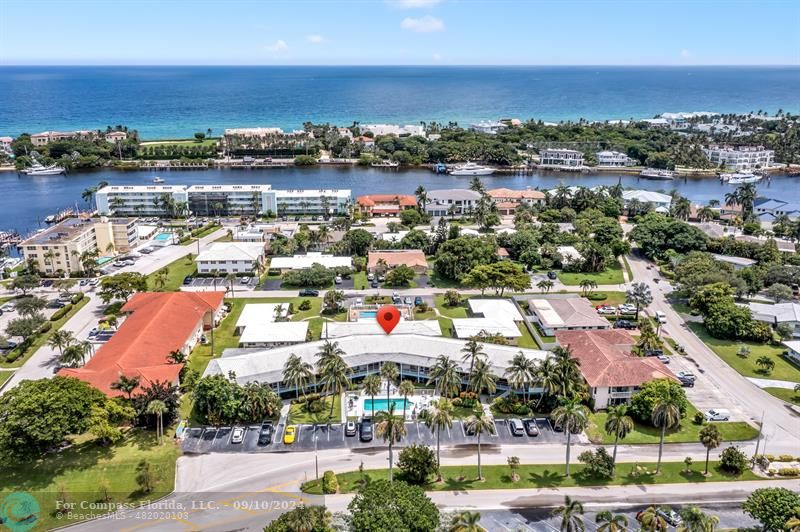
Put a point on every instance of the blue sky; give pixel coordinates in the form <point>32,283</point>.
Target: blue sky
<point>388,32</point>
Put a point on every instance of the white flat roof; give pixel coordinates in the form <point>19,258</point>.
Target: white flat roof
<point>300,262</point>
<point>646,196</point>
<point>496,309</point>
<point>569,253</point>
<point>573,312</point>
<point>256,314</point>
<point>337,329</point>
<point>284,331</point>
<point>230,188</point>
<point>313,193</point>
<point>226,251</point>
<point>466,327</point>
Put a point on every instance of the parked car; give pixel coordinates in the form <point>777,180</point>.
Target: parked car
<point>359,301</point>
<point>94,282</point>
<point>551,275</point>
<point>7,346</point>
<point>381,278</point>
<point>686,375</point>
<point>686,383</point>
<point>374,284</point>
<point>670,516</point>
<point>718,414</point>
<point>530,427</point>
<point>237,436</point>
<point>370,277</point>
<point>417,301</point>
<point>661,317</point>
<point>350,428</point>
<point>366,429</point>
<point>516,427</point>
<point>187,280</point>
<point>8,307</point>
<point>624,324</point>
<point>663,359</point>
<point>290,434</point>
<point>265,434</point>
<point>607,310</point>
<point>246,280</point>
<point>55,303</point>
<point>396,300</point>
<point>83,282</point>
<point>93,332</point>
<point>627,309</point>
<point>47,283</point>
<point>338,279</point>
<point>309,292</point>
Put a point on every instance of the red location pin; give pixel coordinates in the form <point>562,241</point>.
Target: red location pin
<point>388,317</point>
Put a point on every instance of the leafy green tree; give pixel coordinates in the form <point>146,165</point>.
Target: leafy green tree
<point>779,292</point>
<point>655,234</point>
<point>26,328</point>
<point>216,398</point>
<point>599,464</point>
<point>418,463</point>
<point>383,505</point>
<point>358,241</point>
<point>145,476</point>
<point>733,460</point>
<point>26,282</point>
<point>452,298</point>
<point>456,257</point>
<point>302,519</point>
<point>400,275</point>
<point>772,507</point>
<point>121,286</point>
<point>643,402</point>
<point>30,305</point>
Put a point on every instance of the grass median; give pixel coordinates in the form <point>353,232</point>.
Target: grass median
<point>464,477</point>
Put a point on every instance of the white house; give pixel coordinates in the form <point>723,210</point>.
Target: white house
<point>565,314</point>
<point>231,257</point>
<point>777,314</point>
<point>561,158</point>
<point>613,158</point>
<point>487,126</point>
<point>460,200</point>
<point>740,157</point>
<point>391,129</point>
<point>661,202</point>
<point>301,262</point>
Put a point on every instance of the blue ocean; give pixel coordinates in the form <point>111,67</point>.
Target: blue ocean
<point>170,102</point>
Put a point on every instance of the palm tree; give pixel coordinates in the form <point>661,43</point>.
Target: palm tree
<point>87,348</point>
<point>570,514</point>
<point>372,387</point>
<point>297,373</point>
<point>666,414</point>
<point>571,415</point>
<point>160,279</point>
<point>422,198</point>
<point>445,377</point>
<point>126,385</point>
<point>473,350</point>
<point>639,295</point>
<point>545,285</point>
<point>466,521</point>
<point>711,438</point>
<point>479,423</point>
<point>231,278</point>
<point>391,429</point>
<point>406,389</point>
<point>618,423</point>
<point>651,521</point>
<point>176,356</point>
<point>334,377</point>
<point>520,373</point>
<point>71,356</point>
<point>587,285</point>
<point>482,378</point>
<point>608,522</point>
<point>438,416</point>
<point>158,408</point>
<point>765,363</point>
<point>389,372</point>
<point>694,520</point>
<point>61,339</point>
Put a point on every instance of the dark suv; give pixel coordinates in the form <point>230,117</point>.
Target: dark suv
<point>265,434</point>
<point>366,429</point>
<point>309,292</point>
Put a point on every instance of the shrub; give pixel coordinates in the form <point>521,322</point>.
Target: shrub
<point>733,460</point>
<point>60,313</point>
<point>46,326</point>
<point>599,464</point>
<point>417,462</point>
<point>596,296</point>
<point>77,298</point>
<point>699,418</point>
<point>315,407</point>
<point>305,305</point>
<point>330,484</point>
<point>789,471</point>
<point>785,458</point>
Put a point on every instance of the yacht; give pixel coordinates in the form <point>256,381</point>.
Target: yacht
<point>159,180</point>
<point>656,173</point>
<point>739,178</point>
<point>470,168</point>
<point>385,164</point>
<point>37,169</point>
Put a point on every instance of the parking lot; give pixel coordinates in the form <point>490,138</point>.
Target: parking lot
<point>222,283</point>
<point>218,439</point>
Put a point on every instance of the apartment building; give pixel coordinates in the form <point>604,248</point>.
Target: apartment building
<point>231,257</point>
<point>309,201</point>
<point>740,157</point>
<point>216,200</point>
<point>561,157</point>
<point>139,200</point>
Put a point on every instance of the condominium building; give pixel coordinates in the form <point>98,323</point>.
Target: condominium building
<point>231,257</point>
<point>140,200</point>
<point>561,158</point>
<point>614,158</point>
<point>740,157</point>
<point>216,200</point>
<point>321,202</point>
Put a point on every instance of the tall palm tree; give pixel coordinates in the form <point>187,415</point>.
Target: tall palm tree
<point>61,339</point>
<point>651,521</point>
<point>571,415</point>
<point>391,429</point>
<point>231,278</point>
<point>570,514</point>
<point>545,285</point>
<point>618,423</point>
<point>482,378</point>
<point>711,438</point>
<point>71,356</point>
<point>439,415</point>
<point>406,389</point>
<point>445,376</point>
<point>334,377</point>
<point>480,423</point>
<point>640,296</point>
<point>666,415</point>
<point>372,387</point>
<point>87,348</point>
<point>389,372</point>
<point>297,373</point>
<point>422,198</point>
<point>520,373</point>
<point>694,520</point>
<point>473,350</point>
<point>126,385</point>
<point>466,521</point>
<point>157,408</point>
<point>328,352</point>
<point>608,522</point>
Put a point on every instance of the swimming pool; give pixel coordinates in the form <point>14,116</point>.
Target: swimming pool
<point>383,404</point>
<point>368,314</point>
<point>163,237</point>
<point>103,260</point>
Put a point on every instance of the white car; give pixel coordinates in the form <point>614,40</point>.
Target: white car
<point>238,435</point>
<point>685,375</point>
<point>718,414</point>
<point>607,310</point>
<point>8,307</point>
<point>627,309</point>
<point>661,317</point>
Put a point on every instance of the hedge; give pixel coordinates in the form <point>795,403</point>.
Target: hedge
<point>60,313</point>
<point>330,484</point>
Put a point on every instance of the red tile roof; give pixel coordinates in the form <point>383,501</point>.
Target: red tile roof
<point>158,323</point>
<point>410,257</point>
<point>606,359</point>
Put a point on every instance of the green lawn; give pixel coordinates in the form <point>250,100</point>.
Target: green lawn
<point>360,281</point>
<point>450,312</point>
<point>428,314</point>
<point>544,337</point>
<point>526,340</point>
<point>205,232</point>
<point>42,338</point>
<point>688,431</point>
<point>436,280</point>
<point>464,477</point>
<point>727,349</point>
<point>182,142</point>
<point>790,396</point>
<point>81,470</point>
<point>177,270</point>
<point>446,325</point>
<point>627,268</point>
<point>4,376</point>
<point>298,414</point>
<point>611,275</point>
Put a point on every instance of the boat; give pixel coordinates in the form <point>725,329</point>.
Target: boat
<point>739,178</point>
<point>385,164</point>
<point>60,216</point>
<point>37,169</point>
<point>469,168</point>
<point>657,173</point>
<point>159,180</point>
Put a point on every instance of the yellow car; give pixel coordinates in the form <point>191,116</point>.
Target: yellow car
<point>289,435</point>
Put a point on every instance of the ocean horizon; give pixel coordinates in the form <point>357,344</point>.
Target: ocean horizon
<point>163,101</point>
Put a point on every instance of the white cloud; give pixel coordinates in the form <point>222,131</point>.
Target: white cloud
<point>685,53</point>
<point>437,57</point>
<point>426,24</point>
<point>278,46</point>
<point>413,4</point>
<point>315,39</point>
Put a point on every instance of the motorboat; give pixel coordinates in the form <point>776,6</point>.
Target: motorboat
<point>159,180</point>
<point>38,169</point>
<point>657,173</point>
<point>740,178</point>
<point>470,169</point>
<point>385,164</point>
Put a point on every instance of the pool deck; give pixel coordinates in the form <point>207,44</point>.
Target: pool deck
<point>353,403</point>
